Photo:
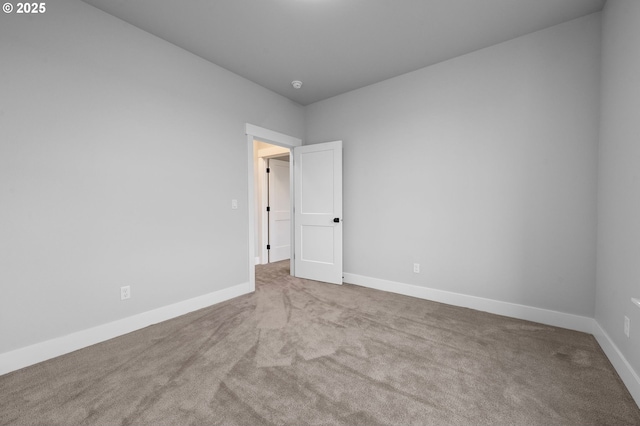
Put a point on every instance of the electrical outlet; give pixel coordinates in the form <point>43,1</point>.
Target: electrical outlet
<point>627,325</point>
<point>234,204</point>
<point>416,268</point>
<point>125,292</point>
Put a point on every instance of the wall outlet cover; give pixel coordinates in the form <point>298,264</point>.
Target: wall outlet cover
<point>125,292</point>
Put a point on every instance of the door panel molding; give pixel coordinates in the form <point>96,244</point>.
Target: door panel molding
<point>318,203</point>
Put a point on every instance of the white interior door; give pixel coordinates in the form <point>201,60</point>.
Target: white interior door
<point>279,211</point>
<point>318,211</point>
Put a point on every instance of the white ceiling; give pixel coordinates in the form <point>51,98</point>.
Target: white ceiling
<point>334,46</point>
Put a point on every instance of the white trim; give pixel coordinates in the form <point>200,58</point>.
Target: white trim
<point>251,208</point>
<point>262,216</point>
<point>270,136</point>
<point>255,132</point>
<point>543,316</point>
<point>29,355</point>
<point>292,229</point>
<point>619,362</point>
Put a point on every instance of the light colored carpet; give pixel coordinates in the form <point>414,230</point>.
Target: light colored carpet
<point>299,352</point>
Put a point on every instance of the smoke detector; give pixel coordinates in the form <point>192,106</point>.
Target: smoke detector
<point>296,84</point>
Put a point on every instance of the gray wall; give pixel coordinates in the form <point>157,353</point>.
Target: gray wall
<point>119,156</point>
<point>619,178</point>
<point>482,169</point>
<point>120,153</point>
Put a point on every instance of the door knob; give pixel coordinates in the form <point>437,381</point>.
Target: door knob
<point>336,219</point>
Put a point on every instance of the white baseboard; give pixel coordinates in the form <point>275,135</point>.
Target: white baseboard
<point>24,357</point>
<point>513,310</point>
<point>29,355</point>
<point>619,362</point>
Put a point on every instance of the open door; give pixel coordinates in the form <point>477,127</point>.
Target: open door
<point>318,211</point>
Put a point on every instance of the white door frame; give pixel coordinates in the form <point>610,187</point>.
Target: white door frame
<point>264,202</point>
<point>265,135</point>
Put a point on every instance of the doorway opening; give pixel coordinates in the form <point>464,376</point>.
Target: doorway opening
<point>272,203</point>
<point>259,134</point>
<point>316,228</point>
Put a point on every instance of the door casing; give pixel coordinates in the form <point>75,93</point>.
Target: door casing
<point>254,132</point>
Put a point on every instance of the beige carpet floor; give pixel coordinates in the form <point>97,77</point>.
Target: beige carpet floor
<point>299,352</point>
